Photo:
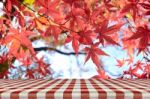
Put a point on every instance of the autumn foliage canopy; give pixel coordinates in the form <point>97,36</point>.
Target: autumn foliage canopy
<point>89,25</point>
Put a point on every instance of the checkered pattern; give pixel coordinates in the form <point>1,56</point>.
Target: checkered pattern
<point>75,89</point>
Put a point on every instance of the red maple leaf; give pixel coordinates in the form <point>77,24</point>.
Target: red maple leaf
<point>101,74</point>
<point>146,73</point>
<point>143,34</point>
<point>105,31</point>
<point>139,65</point>
<point>26,62</point>
<point>93,52</point>
<point>130,60</point>
<point>4,74</point>
<point>74,37</point>
<point>120,63</point>
<point>108,4</point>
<point>76,19</point>
<point>147,68</point>
<point>86,36</point>
<point>146,6</point>
<point>42,67</point>
<point>54,31</point>
<point>18,39</point>
<point>8,5</point>
<point>48,7</point>
<point>30,73</point>
<point>132,7</point>
<point>132,72</point>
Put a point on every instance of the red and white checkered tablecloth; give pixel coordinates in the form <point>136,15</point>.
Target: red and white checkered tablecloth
<point>75,89</point>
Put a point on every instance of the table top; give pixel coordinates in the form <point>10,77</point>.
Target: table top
<point>75,89</point>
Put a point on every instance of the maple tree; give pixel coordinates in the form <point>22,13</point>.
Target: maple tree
<point>89,25</point>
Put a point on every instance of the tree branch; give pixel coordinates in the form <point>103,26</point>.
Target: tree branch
<point>49,19</point>
<point>58,51</point>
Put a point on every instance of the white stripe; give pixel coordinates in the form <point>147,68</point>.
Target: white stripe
<point>92,91</point>
<point>141,80</point>
<point>16,84</point>
<point>42,93</point>
<point>6,94</point>
<point>11,84</point>
<point>110,93</point>
<point>59,93</point>
<point>76,92</point>
<point>127,93</point>
<point>143,83</point>
<point>4,83</point>
<point>145,95</point>
<point>24,94</point>
<point>136,84</point>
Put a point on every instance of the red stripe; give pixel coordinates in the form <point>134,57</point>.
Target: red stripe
<point>11,83</point>
<point>32,94</point>
<point>15,94</point>
<point>141,83</point>
<point>21,83</point>
<point>132,85</point>
<point>137,85</point>
<point>68,92</point>
<point>119,93</point>
<point>101,93</point>
<point>84,90</point>
<point>15,87</point>
<point>8,81</point>
<point>145,80</point>
<point>50,93</point>
<point>137,94</point>
<point>9,86</point>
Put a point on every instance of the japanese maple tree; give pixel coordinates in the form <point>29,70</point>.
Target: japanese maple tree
<point>89,25</point>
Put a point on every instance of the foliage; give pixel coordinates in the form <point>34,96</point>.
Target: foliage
<point>92,24</point>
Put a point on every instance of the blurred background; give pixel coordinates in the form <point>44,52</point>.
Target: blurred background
<point>72,66</point>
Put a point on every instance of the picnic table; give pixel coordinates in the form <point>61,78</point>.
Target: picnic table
<point>75,89</point>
